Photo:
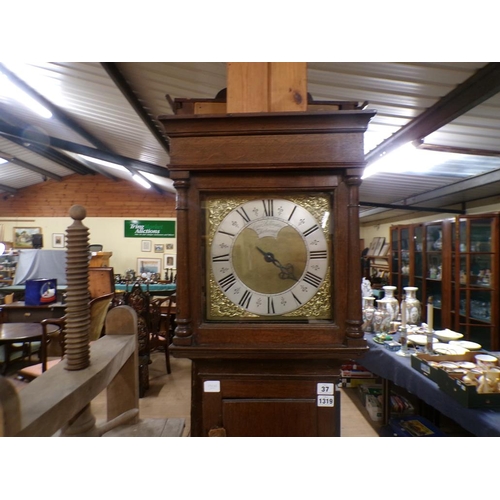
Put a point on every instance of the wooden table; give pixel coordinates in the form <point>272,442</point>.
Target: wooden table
<point>19,312</point>
<point>12,333</point>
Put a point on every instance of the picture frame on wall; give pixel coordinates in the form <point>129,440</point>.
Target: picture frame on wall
<point>168,261</point>
<point>23,236</point>
<point>169,246</point>
<point>146,246</point>
<point>148,266</point>
<point>158,247</point>
<point>58,240</point>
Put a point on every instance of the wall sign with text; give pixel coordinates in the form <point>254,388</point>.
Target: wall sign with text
<point>150,229</point>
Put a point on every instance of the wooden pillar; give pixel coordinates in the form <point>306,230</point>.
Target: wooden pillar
<point>183,330</point>
<point>354,331</point>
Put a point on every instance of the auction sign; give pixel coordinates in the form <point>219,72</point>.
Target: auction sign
<point>149,229</point>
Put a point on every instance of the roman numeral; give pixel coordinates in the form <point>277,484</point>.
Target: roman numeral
<point>312,279</point>
<point>227,282</point>
<point>318,254</point>
<point>293,211</point>
<point>243,214</point>
<point>268,207</point>
<point>221,258</point>
<point>270,306</point>
<point>311,230</point>
<point>296,299</point>
<point>245,299</point>
<point>225,232</point>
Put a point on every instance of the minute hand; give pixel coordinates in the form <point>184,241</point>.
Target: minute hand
<point>286,271</point>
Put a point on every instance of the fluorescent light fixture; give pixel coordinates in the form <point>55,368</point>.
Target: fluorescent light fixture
<point>104,163</point>
<point>9,89</point>
<point>407,159</point>
<point>2,161</point>
<point>140,180</point>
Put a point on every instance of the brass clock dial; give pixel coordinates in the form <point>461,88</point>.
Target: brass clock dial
<point>268,258</point>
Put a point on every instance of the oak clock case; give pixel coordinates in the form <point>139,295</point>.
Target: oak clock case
<point>268,258</point>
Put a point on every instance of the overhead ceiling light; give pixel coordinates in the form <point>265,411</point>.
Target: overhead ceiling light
<point>9,89</point>
<point>2,161</point>
<point>104,163</point>
<point>407,159</point>
<point>140,180</point>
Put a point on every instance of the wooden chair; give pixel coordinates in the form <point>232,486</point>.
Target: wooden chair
<point>139,300</point>
<point>52,348</point>
<point>162,321</point>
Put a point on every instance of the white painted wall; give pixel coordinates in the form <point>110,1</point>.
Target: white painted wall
<point>107,231</point>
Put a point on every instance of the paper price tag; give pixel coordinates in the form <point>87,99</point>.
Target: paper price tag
<point>325,401</point>
<point>211,386</point>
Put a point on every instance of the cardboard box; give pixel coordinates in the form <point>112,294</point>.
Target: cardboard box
<point>374,408</point>
<point>40,292</point>
<point>369,389</point>
<point>420,362</point>
<point>466,394</point>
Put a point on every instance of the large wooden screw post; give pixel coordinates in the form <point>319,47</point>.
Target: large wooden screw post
<point>77,294</point>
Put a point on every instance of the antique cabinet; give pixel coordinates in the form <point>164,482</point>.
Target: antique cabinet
<point>8,264</point>
<point>436,276</point>
<point>266,318</point>
<point>402,258</point>
<point>455,263</point>
<point>476,279</point>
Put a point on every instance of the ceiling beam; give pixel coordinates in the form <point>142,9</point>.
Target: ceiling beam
<point>8,189</point>
<point>66,120</point>
<point>454,149</point>
<point>482,85</point>
<point>439,194</point>
<point>16,134</point>
<point>412,208</point>
<point>29,166</point>
<point>60,115</point>
<point>115,74</point>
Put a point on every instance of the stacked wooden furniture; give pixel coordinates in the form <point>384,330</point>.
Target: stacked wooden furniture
<point>252,371</point>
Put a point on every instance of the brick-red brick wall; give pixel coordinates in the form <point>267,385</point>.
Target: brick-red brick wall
<point>101,197</point>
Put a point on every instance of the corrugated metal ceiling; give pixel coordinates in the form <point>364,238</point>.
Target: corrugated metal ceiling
<point>112,109</point>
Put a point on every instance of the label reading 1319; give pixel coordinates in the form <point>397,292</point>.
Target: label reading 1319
<point>325,401</point>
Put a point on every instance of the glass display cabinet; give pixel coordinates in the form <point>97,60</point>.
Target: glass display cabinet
<point>476,288</point>
<point>436,284</point>
<point>401,261</point>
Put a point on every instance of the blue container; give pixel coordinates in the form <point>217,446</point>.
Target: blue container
<point>40,292</point>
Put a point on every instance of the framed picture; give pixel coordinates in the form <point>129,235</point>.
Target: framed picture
<point>168,261</point>
<point>380,244</point>
<point>158,247</point>
<point>146,246</point>
<point>23,236</point>
<point>385,250</point>
<point>148,266</point>
<point>169,246</point>
<point>373,245</point>
<point>58,240</point>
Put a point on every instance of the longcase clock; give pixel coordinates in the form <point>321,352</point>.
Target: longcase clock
<point>268,283</point>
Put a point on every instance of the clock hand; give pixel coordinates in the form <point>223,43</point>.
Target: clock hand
<point>286,271</point>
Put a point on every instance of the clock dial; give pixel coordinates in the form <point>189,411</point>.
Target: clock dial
<point>269,256</point>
